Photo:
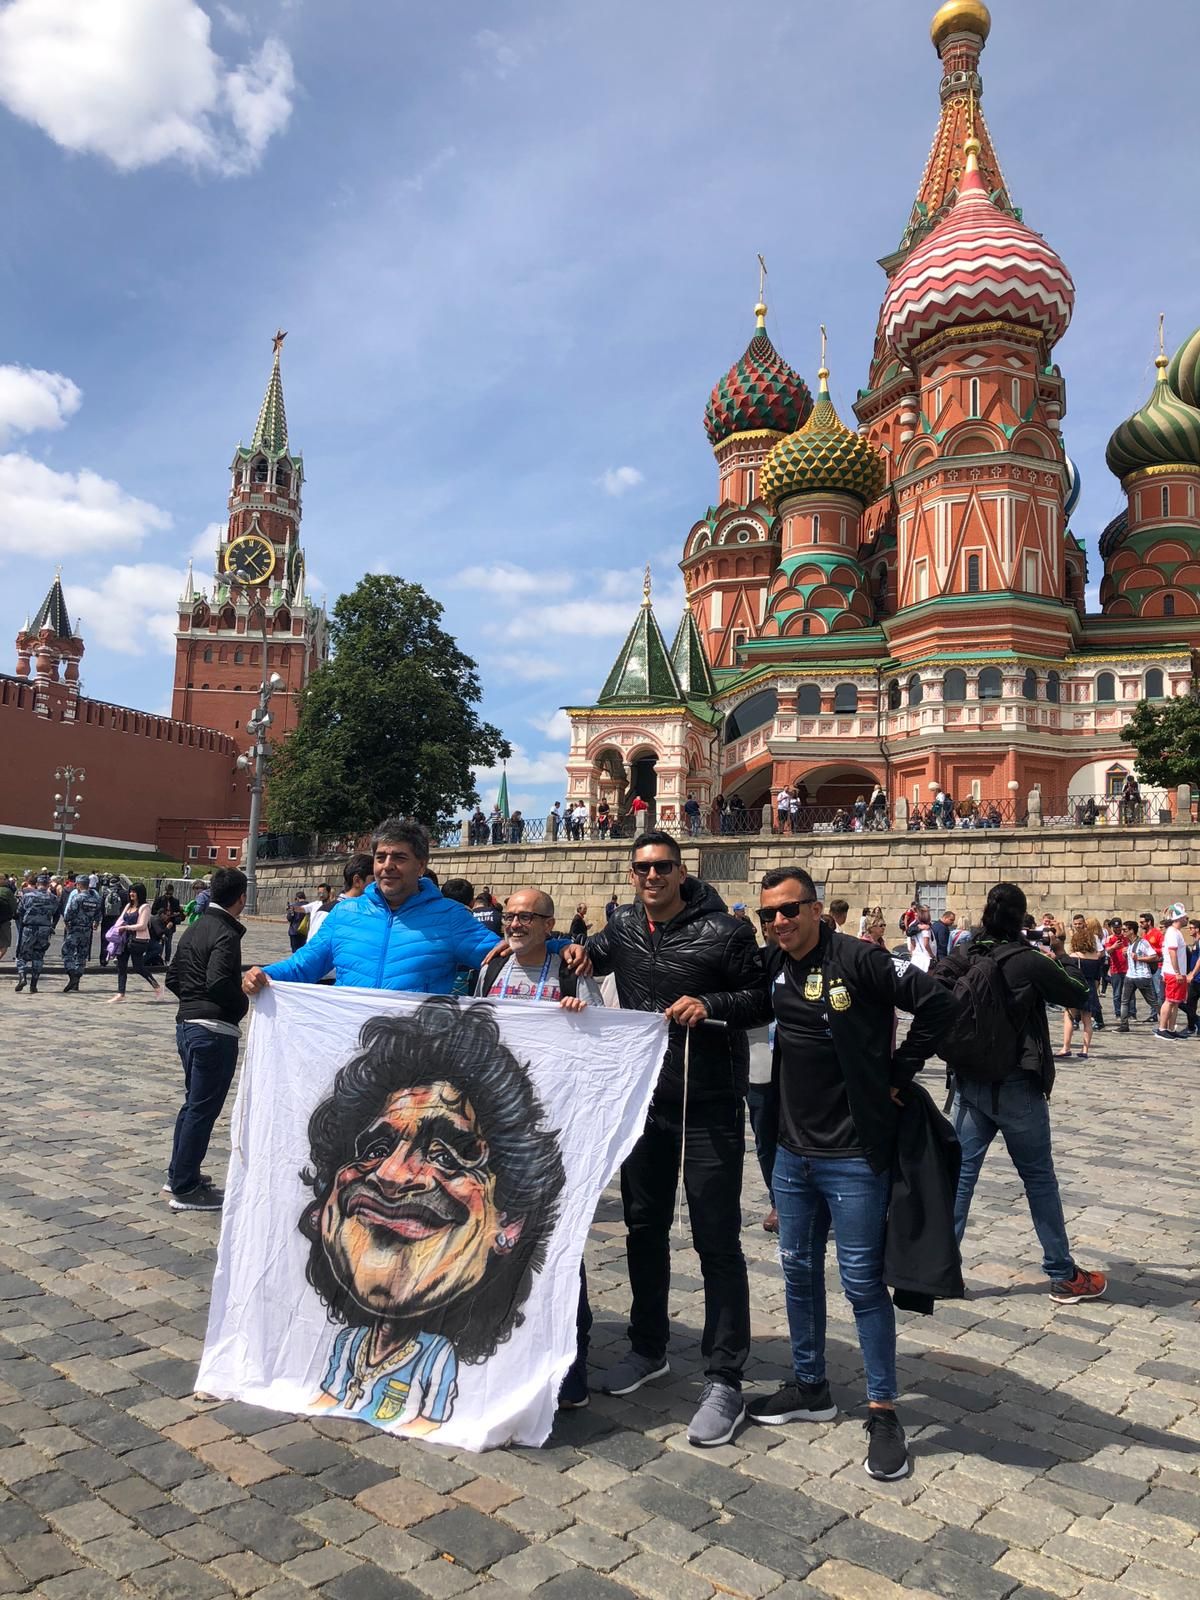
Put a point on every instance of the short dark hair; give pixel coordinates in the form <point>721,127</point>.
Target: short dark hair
<point>460,889</point>
<point>462,1047</point>
<point>403,830</point>
<point>228,885</point>
<point>329,886</point>
<point>1004,911</point>
<point>778,875</point>
<point>362,866</point>
<point>839,908</point>
<point>663,841</point>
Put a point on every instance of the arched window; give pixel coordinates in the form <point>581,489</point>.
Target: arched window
<point>208,652</point>
<point>1029,687</point>
<point>1016,395</point>
<point>1154,684</point>
<point>954,685</point>
<point>806,626</point>
<point>990,683</point>
<point>752,713</point>
<point>283,478</point>
<point>1166,502</point>
<point>845,699</point>
<point>973,409</point>
<point>816,529</point>
<point>893,695</point>
<point>1052,683</point>
<point>261,472</point>
<point>1168,605</point>
<point>808,700</point>
<point>238,656</point>
<point>1106,686</point>
<point>916,690</point>
<point>972,574</point>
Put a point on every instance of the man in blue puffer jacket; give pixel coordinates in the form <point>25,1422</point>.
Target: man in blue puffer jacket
<point>400,933</point>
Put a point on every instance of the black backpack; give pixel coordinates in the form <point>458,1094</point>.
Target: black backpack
<point>984,1045</point>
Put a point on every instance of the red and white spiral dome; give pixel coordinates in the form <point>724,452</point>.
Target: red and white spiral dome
<point>977,265</point>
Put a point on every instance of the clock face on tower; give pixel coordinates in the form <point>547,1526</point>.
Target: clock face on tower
<point>251,554</point>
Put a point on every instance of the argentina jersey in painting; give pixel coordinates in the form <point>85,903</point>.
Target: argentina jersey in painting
<point>419,1380</point>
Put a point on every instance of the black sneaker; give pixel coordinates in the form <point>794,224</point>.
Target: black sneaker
<point>202,1182</point>
<point>794,1402</point>
<point>887,1450</point>
<point>200,1198</point>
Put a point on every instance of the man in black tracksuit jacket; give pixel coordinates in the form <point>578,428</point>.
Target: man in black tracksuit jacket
<point>206,978</point>
<point>678,951</point>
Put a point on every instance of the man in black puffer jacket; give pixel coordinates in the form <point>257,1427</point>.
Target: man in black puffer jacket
<point>680,952</point>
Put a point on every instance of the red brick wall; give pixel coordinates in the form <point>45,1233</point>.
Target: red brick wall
<point>140,767</point>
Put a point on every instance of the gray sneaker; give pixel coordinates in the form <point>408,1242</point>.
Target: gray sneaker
<point>718,1416</point>
<point>631,1372</point>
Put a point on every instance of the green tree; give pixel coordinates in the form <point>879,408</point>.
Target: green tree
<point>388,726</point>
<point>1166,736</point>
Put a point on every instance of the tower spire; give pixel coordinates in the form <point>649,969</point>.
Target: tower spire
<point>1160,360</point>
<point>270,431</point>
<point>760,310</point>
<point>646,586</point>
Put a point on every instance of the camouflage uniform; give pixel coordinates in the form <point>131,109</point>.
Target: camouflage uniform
<point>81,916</point>
<point>38,910</point>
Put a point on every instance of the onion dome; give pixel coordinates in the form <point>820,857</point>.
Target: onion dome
<point>1183,374</point>
<point>1164,433</point>
<point>758,392</point>
<point>960,16</point>
<point>1114,533</point>
<point>1071,500</point>
<point>822,456</point>
<point>978,265</point>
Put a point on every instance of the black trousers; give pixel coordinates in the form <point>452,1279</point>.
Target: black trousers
<point>716,1143</point>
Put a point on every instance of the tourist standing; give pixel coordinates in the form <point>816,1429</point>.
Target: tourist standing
<point>1012,1096</point>
<point>578,931</point>
<point>835,1094</point>
<point>318,910</point>
<point>37,908</point>
<point>297,921</point>
<point>8,912</point>
<point>111,902</point>
<point>206,979</point>
<point>1141,963</point>
<point>941,931</point>
<point>356,875</point>
<point>1175,971</point>
<point>134,926</point>
<point>691,810</point>
<point>678,951</point>
<point>81,917</point>
<point>1116,948</point>
<point>1153,936</point>
<point>533,972</point>
<point>610,906</point>
<point>169,913</point>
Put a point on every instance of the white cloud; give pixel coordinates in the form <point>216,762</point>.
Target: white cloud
<point>31,399</point>
<point>501,55</point>
<point>619,480</point>
<point>68,512</point>
<point>554,724</point>
<point>547,766</point>
<point>138,82</point>
<point>592,619</point>
<point>131,609</point>
<point>503,578</point>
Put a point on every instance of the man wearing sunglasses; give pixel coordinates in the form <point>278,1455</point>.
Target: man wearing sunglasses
<point>678,951</point>
<point>833,1103</point>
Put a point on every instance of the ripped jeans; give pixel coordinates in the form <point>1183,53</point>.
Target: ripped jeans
<point>810,1193</point>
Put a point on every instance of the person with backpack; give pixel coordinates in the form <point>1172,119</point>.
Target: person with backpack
<point>1001,1068</point>
<point>833,1111</point>
<point>111,903</point>
<point>533,972</point>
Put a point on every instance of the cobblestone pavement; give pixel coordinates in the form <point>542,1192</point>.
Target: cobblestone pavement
<point>1056,1450</point>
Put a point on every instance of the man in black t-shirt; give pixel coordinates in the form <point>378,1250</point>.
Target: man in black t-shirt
<point>835,1090</point>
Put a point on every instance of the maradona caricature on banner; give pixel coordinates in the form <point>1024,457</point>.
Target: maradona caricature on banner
<point>409,1196</point>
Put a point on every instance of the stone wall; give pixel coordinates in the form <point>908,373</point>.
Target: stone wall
<point>1101,870</point>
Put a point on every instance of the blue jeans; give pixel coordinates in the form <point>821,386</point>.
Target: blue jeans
<point>208,1060</point>
<point>809,1194</point>
<point>1019,1111</point>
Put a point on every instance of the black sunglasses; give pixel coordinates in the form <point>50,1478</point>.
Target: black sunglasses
<point>661,869</point>
<point>789,909</point>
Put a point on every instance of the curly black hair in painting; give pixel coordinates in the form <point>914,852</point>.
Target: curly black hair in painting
<point>443,1042</point>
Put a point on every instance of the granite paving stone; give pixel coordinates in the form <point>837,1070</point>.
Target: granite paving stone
<point>1056,1449</point>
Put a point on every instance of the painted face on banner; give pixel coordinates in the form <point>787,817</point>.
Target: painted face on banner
<point>412,1220</point>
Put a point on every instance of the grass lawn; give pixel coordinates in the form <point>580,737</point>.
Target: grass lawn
<point>18,855</point>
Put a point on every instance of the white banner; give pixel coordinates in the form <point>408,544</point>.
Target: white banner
<point>409,1194</point>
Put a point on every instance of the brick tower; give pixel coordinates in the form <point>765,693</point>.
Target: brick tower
<point>258,601</point>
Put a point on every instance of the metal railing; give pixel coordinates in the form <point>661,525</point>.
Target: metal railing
<point>1154,807</point>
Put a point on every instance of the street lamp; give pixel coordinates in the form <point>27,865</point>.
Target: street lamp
<point>66,807</point>
<point>257,758</point>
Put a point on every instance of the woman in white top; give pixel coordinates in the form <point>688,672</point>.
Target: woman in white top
<point>135,924</point>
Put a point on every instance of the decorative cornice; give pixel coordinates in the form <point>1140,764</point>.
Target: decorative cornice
<point>1181,469</point>
<point>751,436</point>
<point>971,331</point>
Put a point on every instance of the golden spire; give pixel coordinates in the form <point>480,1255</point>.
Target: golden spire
<point>823,370</point>
<point>760,310</point>
<point>646,586</point>
<point>1160,360</point>
<point>971,145</point>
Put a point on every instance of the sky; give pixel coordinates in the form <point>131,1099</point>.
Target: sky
<point>513,245</point>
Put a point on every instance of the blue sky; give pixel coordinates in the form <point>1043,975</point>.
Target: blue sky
<point>514,246</point>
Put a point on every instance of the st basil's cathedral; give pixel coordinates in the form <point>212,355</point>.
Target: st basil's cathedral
<point>903,603</point>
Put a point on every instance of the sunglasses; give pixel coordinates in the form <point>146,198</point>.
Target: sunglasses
<point>660,869</point>
<point>522,919</point>
<point>789,909</point>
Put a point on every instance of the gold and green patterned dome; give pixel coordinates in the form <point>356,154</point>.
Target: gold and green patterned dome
<point>823,455</point>
<point>1164,433</point>
<point>1183,375</point>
